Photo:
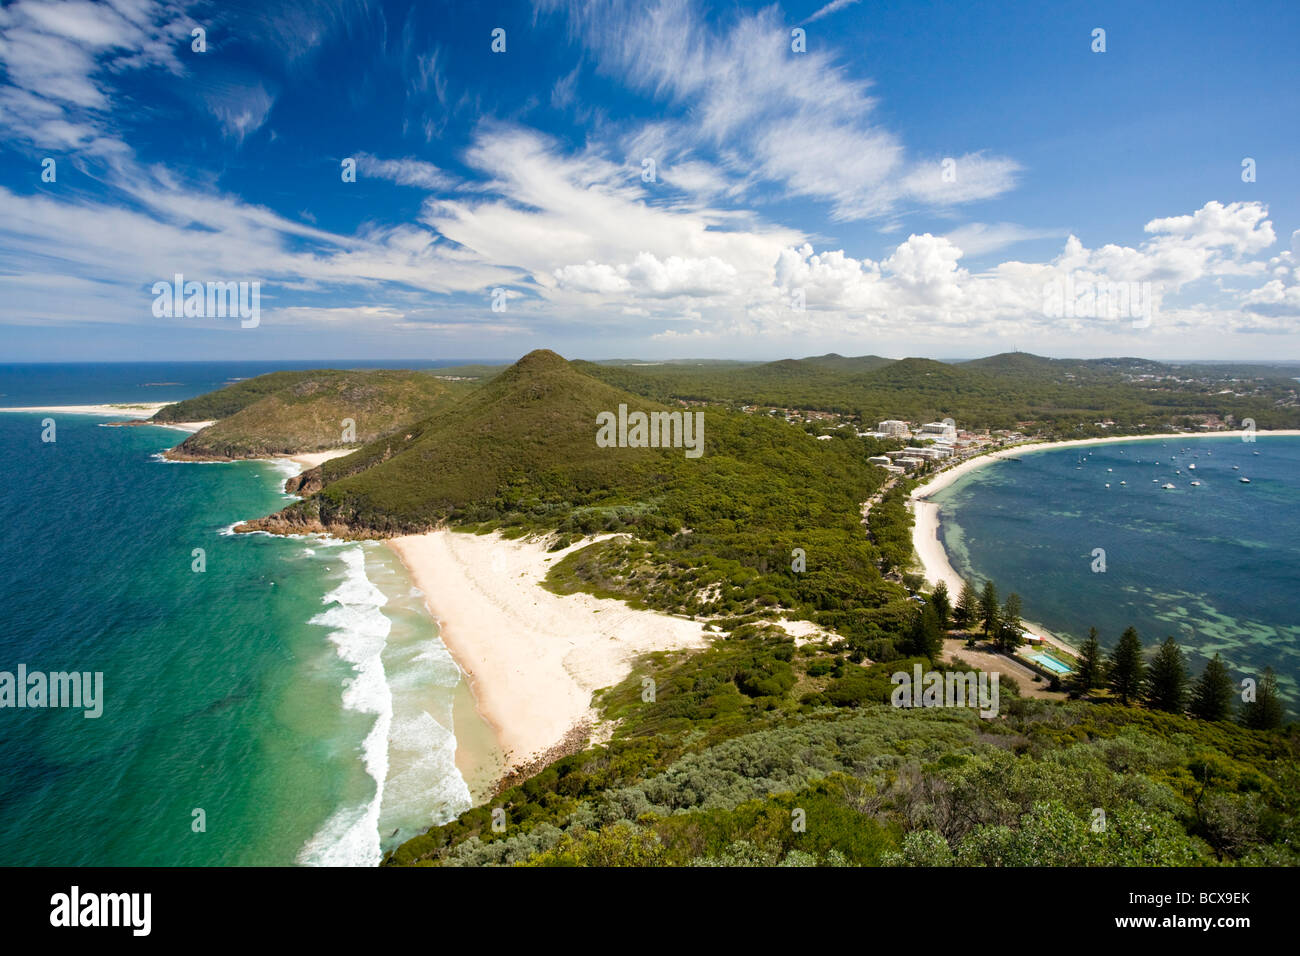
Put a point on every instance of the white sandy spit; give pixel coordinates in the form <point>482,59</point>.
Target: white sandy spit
<point>133,410</point>
<point>533,658</point>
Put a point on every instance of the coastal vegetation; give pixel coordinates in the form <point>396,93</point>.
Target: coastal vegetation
<point>760,752</point>
<point>766,750</point>
<point>1058,398</point>
<point>287,413</point>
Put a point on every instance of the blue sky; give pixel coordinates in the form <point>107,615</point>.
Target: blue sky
<point>912,182</point>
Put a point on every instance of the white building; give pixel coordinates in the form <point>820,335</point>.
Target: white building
<point>929,453</point>
<point>939,431</point>
<point>893,428</point>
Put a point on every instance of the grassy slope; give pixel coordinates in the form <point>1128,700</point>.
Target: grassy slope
<point>307,412</point>
<point>224,402</point>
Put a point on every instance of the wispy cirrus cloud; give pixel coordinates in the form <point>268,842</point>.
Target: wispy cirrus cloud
<point>798,119</point>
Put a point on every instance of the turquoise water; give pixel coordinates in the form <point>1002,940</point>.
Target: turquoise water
<point>1051,663</point>
<point>1217,566</point>
<point>295,690</point>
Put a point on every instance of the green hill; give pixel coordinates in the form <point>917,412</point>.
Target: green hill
<point>224,402</point>
<point>520,453</point>
<point>296,412</point>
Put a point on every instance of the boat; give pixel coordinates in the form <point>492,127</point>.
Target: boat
<point>1195,484</point>
<point>1244,480</point>
<point>1123,482</point>
<point>1110,469</point>
<point>1192,467</point>
<point>1236,467</point>
<point>1167,486</point>
<point>1108,484</point>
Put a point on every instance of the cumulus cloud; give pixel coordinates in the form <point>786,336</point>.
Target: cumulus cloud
<point>922,281</point>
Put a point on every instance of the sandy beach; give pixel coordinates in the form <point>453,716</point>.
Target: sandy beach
<point>925,531</point>
<point>533,658</point>
<point>135,411</point>
<point>309,460</point>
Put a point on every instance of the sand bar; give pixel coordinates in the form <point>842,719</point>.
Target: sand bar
<point>137,411</point>
<point>533,658</point>
<point>123,410</point>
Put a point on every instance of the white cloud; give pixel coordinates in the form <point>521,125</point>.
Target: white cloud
<point>977,238</point>
<point>406,172</point>
<point>835,6</point>
<point>797,119</point>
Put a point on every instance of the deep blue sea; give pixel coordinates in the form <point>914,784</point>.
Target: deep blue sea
<point>292,695</point>
<point>1216,565</point>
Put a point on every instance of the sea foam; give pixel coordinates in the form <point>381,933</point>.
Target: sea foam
<point>359,632</point>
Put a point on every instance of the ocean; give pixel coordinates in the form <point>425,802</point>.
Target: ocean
<point>266,700</point>
<point>1217,566</point>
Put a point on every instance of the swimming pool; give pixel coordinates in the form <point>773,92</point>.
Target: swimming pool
<point>1051,663</point>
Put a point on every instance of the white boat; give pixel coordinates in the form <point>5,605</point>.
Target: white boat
<point>1244,480</point>
<point>1108,484</point>
<point>1195,484</point>
<point>1123,482</point>
<point>1167,486</point>
<point>1236,467</point>
<point>1192,467</point>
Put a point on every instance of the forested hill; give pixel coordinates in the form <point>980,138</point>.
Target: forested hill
<point>293,412</point>
<point>758,728</point>
<point>1057,397</point>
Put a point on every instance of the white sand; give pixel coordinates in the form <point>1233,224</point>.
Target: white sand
<point>185,426</point>
<point>310,460</point>
<point>142,410</point>
<point>138,411</point>
<point>533,658</point>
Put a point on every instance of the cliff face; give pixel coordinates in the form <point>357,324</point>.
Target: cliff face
<point>291,522</point>
<point>308,483</point>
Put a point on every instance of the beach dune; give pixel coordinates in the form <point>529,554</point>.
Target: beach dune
<point>533,658</point>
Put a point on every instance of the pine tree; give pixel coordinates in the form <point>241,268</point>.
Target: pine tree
<point>1009,625</point>
<point>942,604</point>
<point>1090,670</point>
<point>967,605</point>
<point>1265,711</point>
<point>1127,667</point>
<point>1166,681</point>
<point>924,636</point>
<point>1213,693</point>
<point>989,608</point>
